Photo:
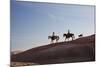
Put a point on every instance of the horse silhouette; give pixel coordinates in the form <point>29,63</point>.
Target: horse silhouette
<point>81,35</point>
<point>53,37</point>
<point>68,35</point>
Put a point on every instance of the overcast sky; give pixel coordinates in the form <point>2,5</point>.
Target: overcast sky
<point>33,22</point>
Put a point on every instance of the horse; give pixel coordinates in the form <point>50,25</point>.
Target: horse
<point>53,38</point>
<point>80,35</point>
<point>68,35</point>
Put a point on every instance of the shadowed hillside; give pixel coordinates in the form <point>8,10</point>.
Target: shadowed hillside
<point>79,50</point>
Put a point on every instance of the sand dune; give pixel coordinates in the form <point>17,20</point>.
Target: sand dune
<point>78,50</point>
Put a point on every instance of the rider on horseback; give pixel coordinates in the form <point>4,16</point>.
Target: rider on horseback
<point>53,37</point>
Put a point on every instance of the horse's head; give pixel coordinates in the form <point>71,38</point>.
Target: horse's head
<point>80,35</point>
<point>49,37</point>
<point>64,35</point>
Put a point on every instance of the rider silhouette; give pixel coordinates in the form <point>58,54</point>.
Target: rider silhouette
<point>68,31</point>
<point>53,34</point>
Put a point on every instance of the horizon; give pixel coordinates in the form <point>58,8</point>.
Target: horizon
<point>33,22</point>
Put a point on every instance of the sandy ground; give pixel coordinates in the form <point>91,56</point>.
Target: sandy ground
<point>19,64</point>
<point>78,50</point>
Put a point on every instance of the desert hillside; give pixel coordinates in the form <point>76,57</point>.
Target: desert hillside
<point>78,50</point>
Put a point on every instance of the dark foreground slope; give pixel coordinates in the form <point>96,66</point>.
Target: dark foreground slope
<point>79,50</point>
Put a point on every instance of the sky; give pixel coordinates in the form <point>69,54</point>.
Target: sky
<point>33,22</point>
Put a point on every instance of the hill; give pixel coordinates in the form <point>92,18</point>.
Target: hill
<point>78,50</point>
<point>16,52</point>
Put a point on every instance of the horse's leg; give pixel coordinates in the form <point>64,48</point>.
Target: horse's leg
<point>68,39</point>
<point>72,37</point>
<point>56,40</point>
<point>65,39</point>
<point>51,41</point>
